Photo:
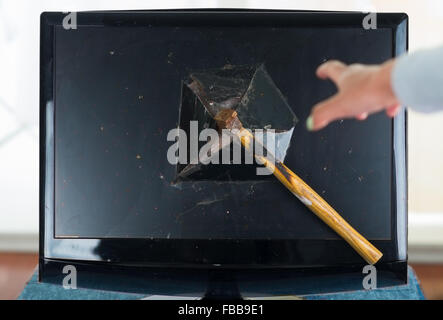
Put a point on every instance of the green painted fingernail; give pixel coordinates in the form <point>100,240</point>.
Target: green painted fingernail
<point>310,123</point>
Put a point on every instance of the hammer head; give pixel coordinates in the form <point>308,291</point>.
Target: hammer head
<point>227,119</point>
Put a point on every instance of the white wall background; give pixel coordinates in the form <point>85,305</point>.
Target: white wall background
<point>19,95</point>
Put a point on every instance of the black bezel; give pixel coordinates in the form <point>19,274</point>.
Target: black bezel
<point>298,254</point>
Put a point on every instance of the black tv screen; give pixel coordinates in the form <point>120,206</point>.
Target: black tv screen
<point>113,88</point>
<point>118,94</point>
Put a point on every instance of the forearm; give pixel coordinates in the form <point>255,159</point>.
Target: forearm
<point>417,80</point>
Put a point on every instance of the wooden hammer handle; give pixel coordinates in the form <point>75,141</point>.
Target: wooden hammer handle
<point>315,203</point>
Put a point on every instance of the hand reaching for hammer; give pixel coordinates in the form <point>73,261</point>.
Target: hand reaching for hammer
<point>362,90</point>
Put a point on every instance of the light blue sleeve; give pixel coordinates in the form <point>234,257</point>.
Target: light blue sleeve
<point>417,80</point>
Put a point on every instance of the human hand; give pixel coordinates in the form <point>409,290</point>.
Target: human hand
<point>362,90</point>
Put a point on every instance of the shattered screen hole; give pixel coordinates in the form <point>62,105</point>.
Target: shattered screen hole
<point>250,91</point>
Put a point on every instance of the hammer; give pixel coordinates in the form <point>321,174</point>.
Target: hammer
<point>228,119</point>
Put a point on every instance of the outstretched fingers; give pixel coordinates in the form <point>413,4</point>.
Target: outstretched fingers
<point>325,112</point>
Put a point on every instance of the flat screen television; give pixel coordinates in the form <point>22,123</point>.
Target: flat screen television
<point>112,205</point>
